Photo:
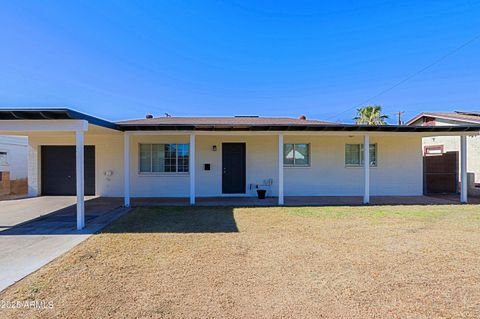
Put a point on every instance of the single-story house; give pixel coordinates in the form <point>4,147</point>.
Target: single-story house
<point>443,145</point>
<point>74,153</point>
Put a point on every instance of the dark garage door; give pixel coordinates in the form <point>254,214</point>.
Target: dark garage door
<point>58,170</point>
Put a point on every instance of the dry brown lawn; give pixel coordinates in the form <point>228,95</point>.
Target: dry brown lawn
<point>322,262</point>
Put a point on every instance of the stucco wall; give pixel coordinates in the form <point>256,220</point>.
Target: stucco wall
<point>260,165</point>
<point>399,170</point>
<point>16,148</point>
<point>156,185</point>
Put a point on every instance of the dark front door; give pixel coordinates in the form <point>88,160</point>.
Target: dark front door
<point>233,168</point>
<point>59,171</point>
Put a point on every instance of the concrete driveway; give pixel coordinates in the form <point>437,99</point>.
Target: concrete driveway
<point>14,212</point>
<point>34,231</point>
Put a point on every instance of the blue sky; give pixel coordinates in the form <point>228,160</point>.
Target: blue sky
<point>120,60</point>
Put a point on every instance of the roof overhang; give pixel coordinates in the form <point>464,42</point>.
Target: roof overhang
<point>54,114</point>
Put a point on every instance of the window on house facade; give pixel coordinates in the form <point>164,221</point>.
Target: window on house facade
<point>354,155</point>
<point>164,158</point>
<point>3,158</point>
<point>296,155</point>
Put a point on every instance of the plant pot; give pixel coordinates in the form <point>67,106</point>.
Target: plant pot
<point>261,193</point>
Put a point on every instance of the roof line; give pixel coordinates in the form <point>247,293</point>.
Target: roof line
<point>415,118</point>
<point>94,120</point>
<point>52,114</point>
<point>301,127</point>
<point>133,122</point>
<point>66,114</point>
<point>435,115</point>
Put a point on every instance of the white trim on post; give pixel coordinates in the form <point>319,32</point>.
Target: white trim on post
<point>280,170</point>
<point>463,170</point>
<point>366,168</point>
<point>80,177</point>
<point>126,169</point>
<point>191,168</point>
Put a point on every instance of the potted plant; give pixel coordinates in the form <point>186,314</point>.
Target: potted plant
<point>261,193</point>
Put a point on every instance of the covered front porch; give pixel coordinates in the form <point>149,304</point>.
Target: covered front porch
<point>327,179</point>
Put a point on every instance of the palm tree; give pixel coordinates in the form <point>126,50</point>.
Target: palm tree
<point>370,115</point>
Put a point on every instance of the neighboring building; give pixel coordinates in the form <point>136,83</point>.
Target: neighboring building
<point>195,157</point>
<point>13,164</point>
<point>444,144</point>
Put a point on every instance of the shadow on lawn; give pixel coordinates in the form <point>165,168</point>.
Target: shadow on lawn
<point>176,220</point>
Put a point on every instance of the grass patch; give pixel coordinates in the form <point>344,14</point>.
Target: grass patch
<point>377,212</point>
<point>270,262</point>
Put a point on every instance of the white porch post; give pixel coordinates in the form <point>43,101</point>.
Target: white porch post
<point>366,168</point>
<point>126,169</point>
<point>463,170</point>
<point>192,169</point>
<point>280,170</point>
<point>80,176</point>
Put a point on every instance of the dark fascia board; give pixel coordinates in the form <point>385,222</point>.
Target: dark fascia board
<point>300,127</point>
<point>54,114</point>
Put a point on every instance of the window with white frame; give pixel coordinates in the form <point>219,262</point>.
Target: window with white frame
<point>354,155</point>
<point>296,155</point>
<point>3,158</point>
<point>164,158</point>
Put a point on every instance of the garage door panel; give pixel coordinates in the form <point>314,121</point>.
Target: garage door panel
<point>59,172</point>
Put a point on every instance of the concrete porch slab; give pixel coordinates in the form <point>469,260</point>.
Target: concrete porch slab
<point>303,201</point>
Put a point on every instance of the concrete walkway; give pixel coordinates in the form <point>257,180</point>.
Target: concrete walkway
<point>35,231</point>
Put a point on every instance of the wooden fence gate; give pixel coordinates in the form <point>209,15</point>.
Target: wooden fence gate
<point>440,173</point>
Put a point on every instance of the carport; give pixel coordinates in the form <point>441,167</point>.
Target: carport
<point>67,123</point>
